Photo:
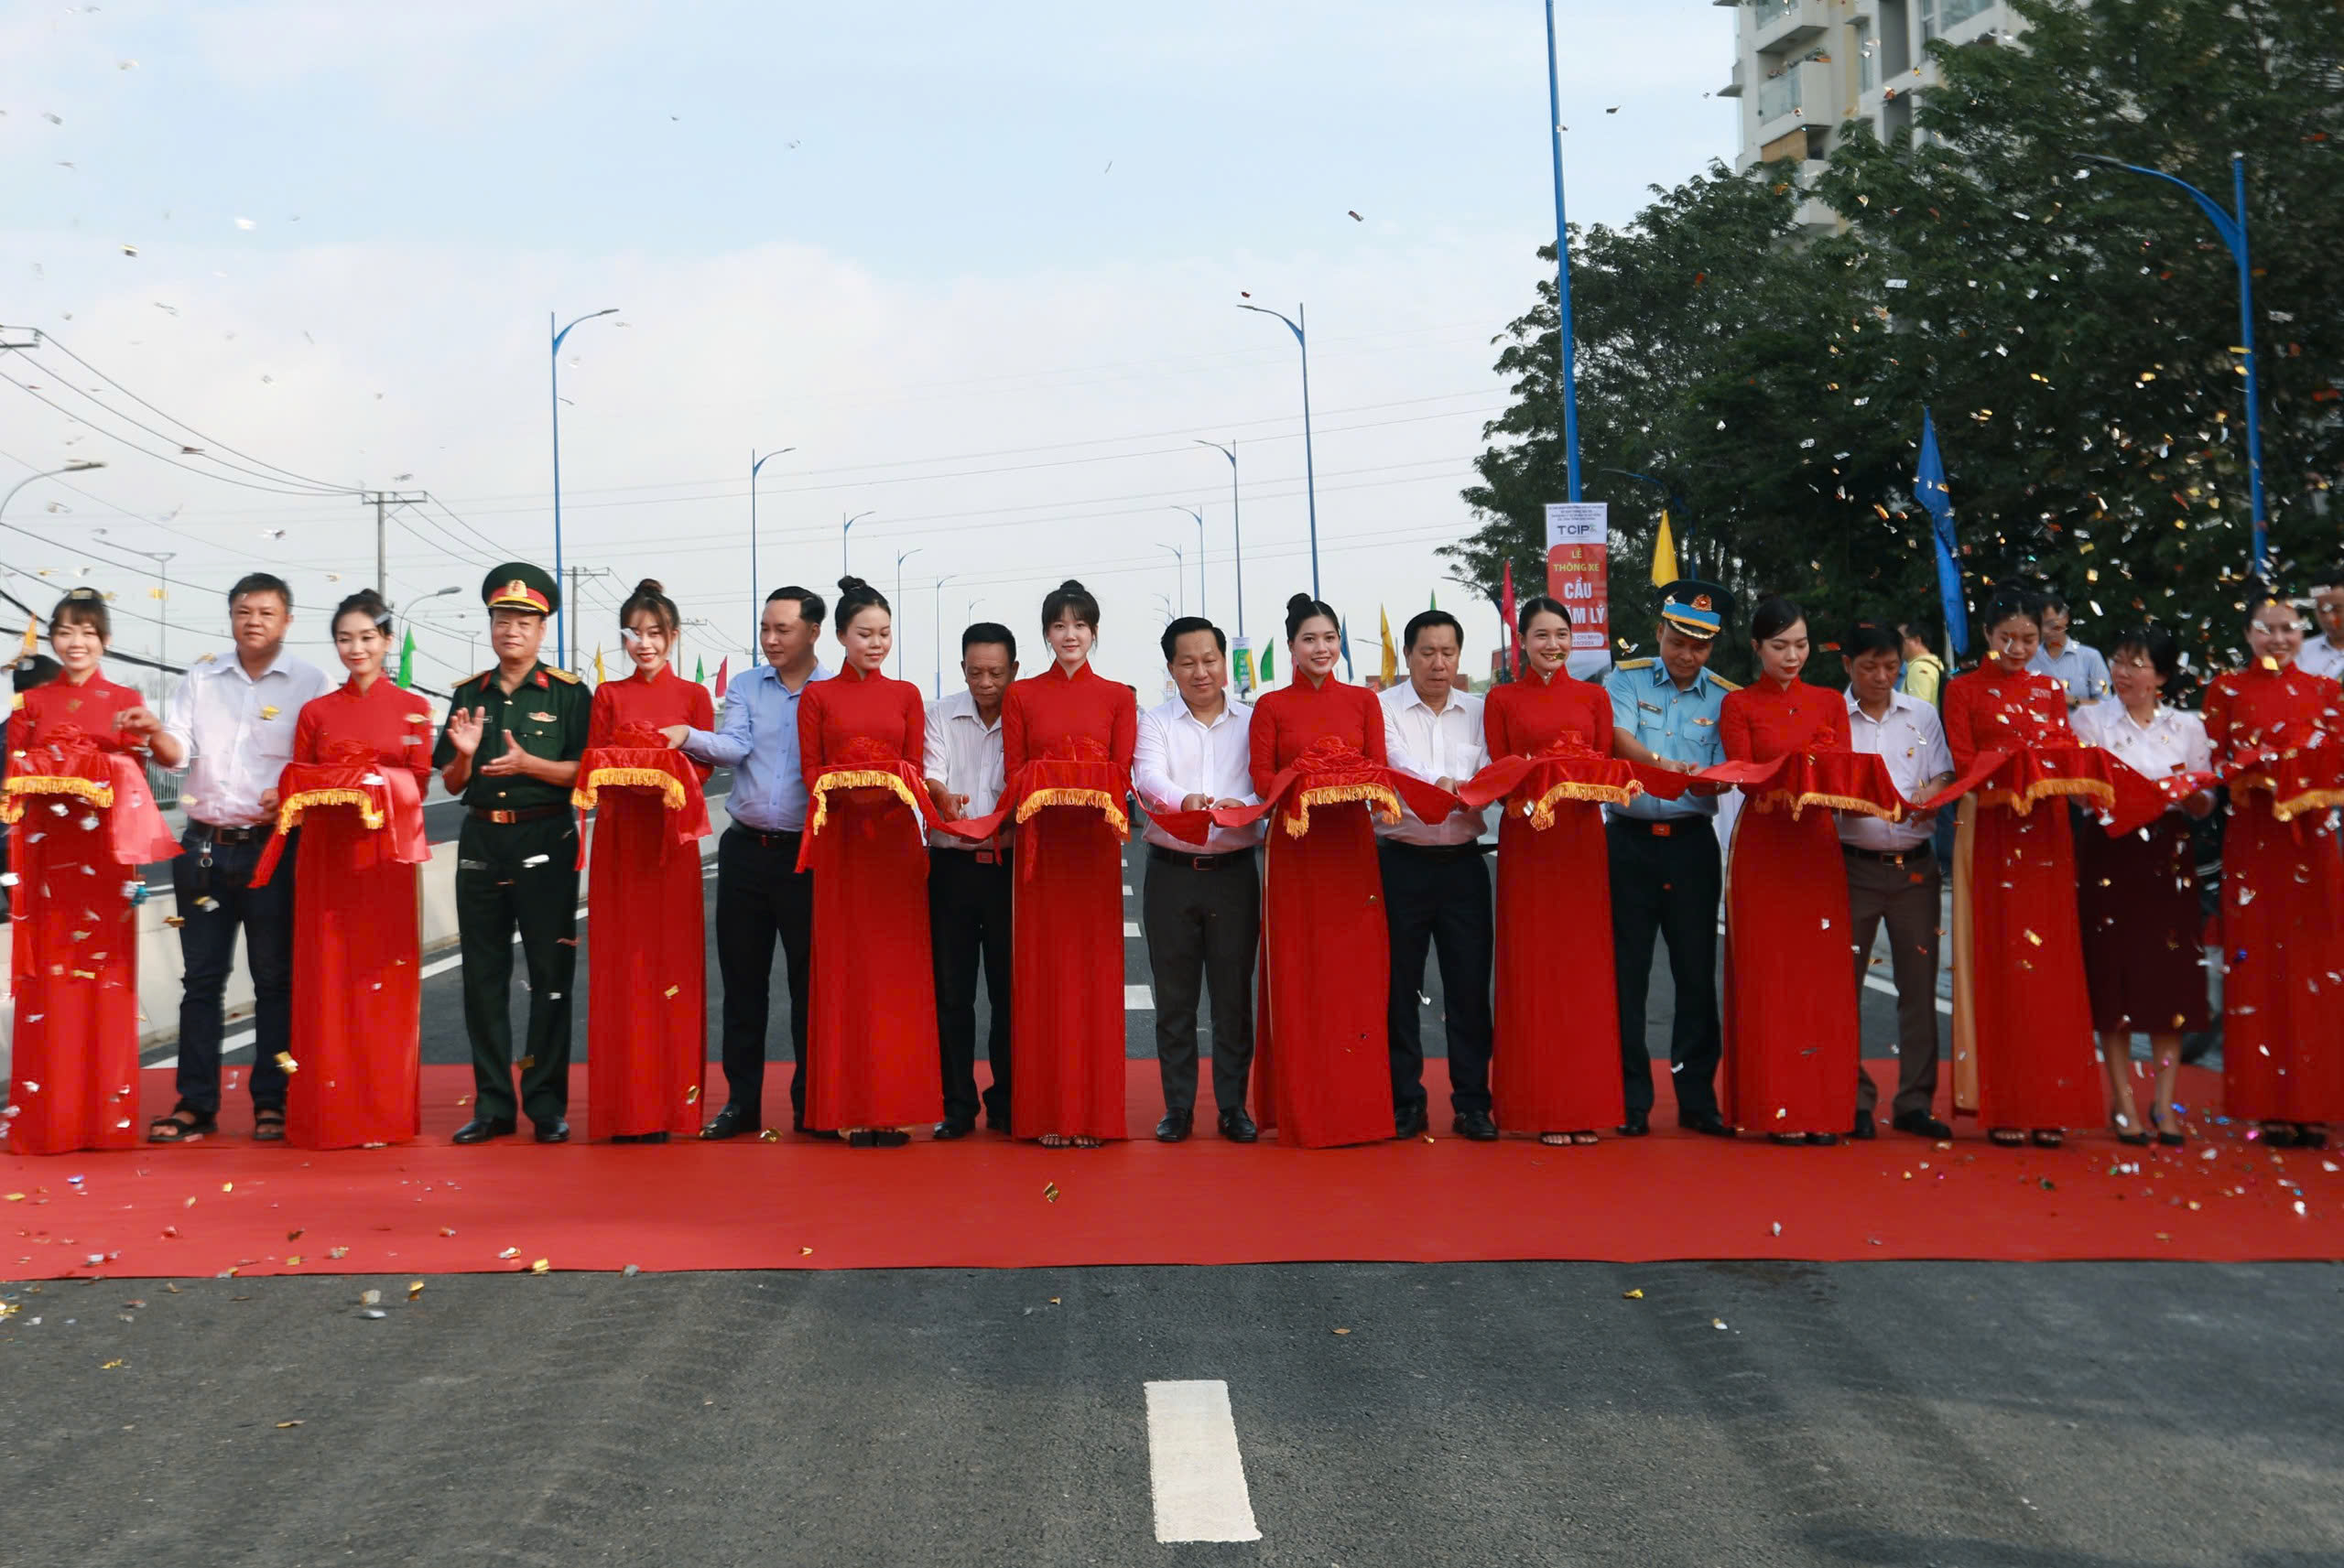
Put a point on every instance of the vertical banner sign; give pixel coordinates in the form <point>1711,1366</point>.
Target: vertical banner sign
<point>1579,562</point>
<point>1244,655</point>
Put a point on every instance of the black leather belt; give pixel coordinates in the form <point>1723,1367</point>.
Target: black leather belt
<point>1670,827</point>
<point>1435,851</point>
<point>986,854</point>
<point>1199,862</point>
<point>768,840</point>
<point>251,834</point>
<point>522,814</point>
<point>1913,855</point>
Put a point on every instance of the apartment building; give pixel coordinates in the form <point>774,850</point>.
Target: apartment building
<point>1803,67</point>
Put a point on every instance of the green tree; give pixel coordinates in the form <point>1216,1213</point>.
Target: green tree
<point>2071,327</point>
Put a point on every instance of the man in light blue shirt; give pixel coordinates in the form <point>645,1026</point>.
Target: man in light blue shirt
<point>2080,669</point>
<point>1666,873</point>
<point>760,891</point>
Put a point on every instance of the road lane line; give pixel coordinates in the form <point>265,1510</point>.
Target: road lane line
<point>1138,999</point>
<point>1194,1468</point>
<point>1131,928</point>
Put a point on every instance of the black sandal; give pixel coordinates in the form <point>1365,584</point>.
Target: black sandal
<point>268,1124</point>
<point>2047,1138</point>
<point>2278,1134</point>
<point>2006,1138</point>
<point>171,1129</point>
<point>2311,1135</point>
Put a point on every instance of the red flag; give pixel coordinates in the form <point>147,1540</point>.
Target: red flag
<point>723,674</point>
<point>1506,609</point>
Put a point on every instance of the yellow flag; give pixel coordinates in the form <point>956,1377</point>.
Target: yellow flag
<point>599,676</point>
<point>1391,657</point>
<point>1664,555</point>
<point>32,633</point>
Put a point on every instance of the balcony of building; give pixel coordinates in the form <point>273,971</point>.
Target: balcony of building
<point>1804,93</point>
<point>1778,25</point>
<point>1732,89</point>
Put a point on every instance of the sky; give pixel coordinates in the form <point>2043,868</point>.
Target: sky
<point>977,265</point>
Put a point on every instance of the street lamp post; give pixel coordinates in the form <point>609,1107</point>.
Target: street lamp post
<point>844,529</point>
<point>1179,573</point>
<point>1562,268</point>
<point>1200,516</point>
<point>2232,226</point>
<point>901,556</point>
<point>1297,325</point>
<point>1236,529</point>
<point>562,621</point>
<point>938,616</point>
<point>756,591</point>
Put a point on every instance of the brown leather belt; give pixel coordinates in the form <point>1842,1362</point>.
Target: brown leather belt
<point>526,813</point>
<point>254,834</point>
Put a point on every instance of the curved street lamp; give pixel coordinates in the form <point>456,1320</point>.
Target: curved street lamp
<point>561,620</point>
<point>1236,528</point>
<point>1200,516</point>
<point>1310,472</point>
<point>756,600</point>
<point>844,529</point>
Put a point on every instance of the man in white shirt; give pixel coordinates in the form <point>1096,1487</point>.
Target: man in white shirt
<point>2080,669</point>
<point>229,728</point>
<point>2323,655</point>
<point>969,884</point>
<point>1202,903</point>
<point>1894,877</point>
<point>1436,884</point>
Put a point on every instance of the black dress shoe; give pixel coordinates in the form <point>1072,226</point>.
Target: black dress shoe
<point>638,1137</point>
<point>554,1132</point>
<point>878,1137</point>
<point>480,1129</point>
<point>1409,1123</point>
<point>1238,1127</point>
<point>1709,1123</point>
<point>1638,1124</point>
<point>1864,1131</point>
<point>1174,1127</point>
<point>1824,1140</point>
<point>730,1122</point>
<point>1920,1124</point>
<point>1477,1125</point>
<point>948,1132</point>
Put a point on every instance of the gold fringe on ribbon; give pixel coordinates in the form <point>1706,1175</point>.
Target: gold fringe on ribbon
<point>2281,810</point>
<point>1379,799</point>
<point>1798,804</point>
<point>1099,800</point>
<point>1541,812</point>
<point>288,812</point>
<point>2020,802</point>
<point>855,778</point>
<point>12,808</point>
<point>670,787</point>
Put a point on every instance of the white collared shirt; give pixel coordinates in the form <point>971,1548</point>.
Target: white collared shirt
<point>2171,742</point>
<point>236,732</point>
<point>1431,746</point>
<point>964,756</point>
<point>1179,755</point>
<point>1910,738</point>
<point>2321,657</point>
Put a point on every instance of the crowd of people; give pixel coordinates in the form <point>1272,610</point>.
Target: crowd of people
<point>1306,857</point>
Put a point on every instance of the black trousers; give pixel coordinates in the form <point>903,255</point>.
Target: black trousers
<point>1439,899</point>
<point>762,895</point>
<point>968,928</point>
<point>1668,887</point>
<point>1203,928</point>
<point>518,878</point>
<point>215,904</point>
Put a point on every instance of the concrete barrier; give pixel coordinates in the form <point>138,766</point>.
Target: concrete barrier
<point>160,971</point>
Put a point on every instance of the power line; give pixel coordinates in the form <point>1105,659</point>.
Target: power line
<point>34,393</point>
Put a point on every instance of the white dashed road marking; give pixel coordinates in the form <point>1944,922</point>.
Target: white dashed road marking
<point>1138,999</point>
<point>1194,1468</point>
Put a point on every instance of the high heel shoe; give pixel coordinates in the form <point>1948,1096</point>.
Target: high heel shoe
<point>2136,1139</point>
<point>2167,1140</point>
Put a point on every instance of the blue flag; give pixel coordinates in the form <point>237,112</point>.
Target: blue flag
<point>1343,629</point>
<point>1929,489</point>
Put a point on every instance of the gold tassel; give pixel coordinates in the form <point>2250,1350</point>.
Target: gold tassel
<point>854,778</point>
<point>1097,799</point>
<point>1542,811</point>
<point>288,812</point>
<point>671,788</point>
<point>2020,802</point>
<point>2309,801</point>
<point>12,806</point>
<point>1379,799</point>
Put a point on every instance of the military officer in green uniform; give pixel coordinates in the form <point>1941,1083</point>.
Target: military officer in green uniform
<point>510,750</point>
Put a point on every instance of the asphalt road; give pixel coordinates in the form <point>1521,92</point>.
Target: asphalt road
<point>2044,1416</point>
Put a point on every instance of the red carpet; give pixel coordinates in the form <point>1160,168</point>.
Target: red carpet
<point>430,1207</point>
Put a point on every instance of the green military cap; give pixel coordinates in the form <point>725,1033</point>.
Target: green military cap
<point>518,585</point>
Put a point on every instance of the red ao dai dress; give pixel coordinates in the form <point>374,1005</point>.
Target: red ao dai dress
<point>2021,1012</point>
<point>1066,1030</point>
<point>1556,1063</point>
<point>646,1049</point>
<point>1791,1030</point>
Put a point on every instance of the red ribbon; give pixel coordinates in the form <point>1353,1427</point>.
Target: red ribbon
<point>389,789</point>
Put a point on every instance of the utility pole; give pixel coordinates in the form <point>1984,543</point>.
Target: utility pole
<point>576,576</point>
<point>381,501</point>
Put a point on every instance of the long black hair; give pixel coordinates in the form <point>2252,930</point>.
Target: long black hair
<point>1302,607</point>
<point>856,596</point>
<point>1774,616</point>
<point>1069,596</point>
<point>367,601</point>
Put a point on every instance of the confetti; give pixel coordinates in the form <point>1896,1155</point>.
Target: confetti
<point>1342,1331</point>
<point>1637,1294</point>
<point>1717,1322</point>
<point>541,1266</point>
<point>1050,1192</point>
<point>288,1425</point>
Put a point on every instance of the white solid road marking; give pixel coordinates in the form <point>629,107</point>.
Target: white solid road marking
<point>1138,999</point>
<point>1131,928</point>
<point>1193,1467</point>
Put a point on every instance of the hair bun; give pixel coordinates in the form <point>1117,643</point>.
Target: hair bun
<point>849,584</point>
<point>1300,603</point>
<point>1071,586</point>
<point>649,585</point>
